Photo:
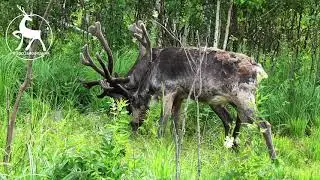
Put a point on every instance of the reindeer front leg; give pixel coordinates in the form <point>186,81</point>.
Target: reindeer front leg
<point>247,111</point>
<point>165,112</point>
<point>236,133</point>
<point>227,121</point>
<point>225,117</point>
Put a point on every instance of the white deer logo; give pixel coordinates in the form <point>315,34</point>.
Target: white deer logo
<point>27,33</point>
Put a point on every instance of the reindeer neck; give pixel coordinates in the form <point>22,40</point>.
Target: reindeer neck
<point>22,24</point>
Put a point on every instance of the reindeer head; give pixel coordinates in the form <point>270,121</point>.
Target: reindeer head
<point>114,86</point>
<point>139,106</point>
<point>25,15</point>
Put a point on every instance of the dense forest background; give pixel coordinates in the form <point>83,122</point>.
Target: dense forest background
<point>64,131</point>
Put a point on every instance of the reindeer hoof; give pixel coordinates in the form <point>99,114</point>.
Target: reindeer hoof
<point>236,142</point>
<point>228,142</point>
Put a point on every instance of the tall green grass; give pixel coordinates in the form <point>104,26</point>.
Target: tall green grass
<point>292,114</point>
<point>64,131</point>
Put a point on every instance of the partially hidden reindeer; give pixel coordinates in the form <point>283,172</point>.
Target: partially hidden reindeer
<point>209,75</point>
<point>136,74</point>
<point>27,33</point>
<point>139,32</point>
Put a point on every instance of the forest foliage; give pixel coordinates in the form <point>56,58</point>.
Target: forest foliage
<point>63,130</point>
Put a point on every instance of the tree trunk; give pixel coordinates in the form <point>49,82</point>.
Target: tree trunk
<point>217,26</point>
<point>160,40</point>
<point>226,35</point>
<point>13,117</point>
<point>234,27</point>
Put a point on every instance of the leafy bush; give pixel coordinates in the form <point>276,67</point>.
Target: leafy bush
<point>102,160</point>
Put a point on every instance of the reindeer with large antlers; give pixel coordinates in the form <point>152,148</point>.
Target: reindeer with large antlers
<point>139,32</point>
<point>218,77</point>
<point>136,74</point>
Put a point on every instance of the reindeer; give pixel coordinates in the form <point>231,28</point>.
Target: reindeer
<point>139,32</point>
<point>27,33</point>
<point>136,73</point>
<point>218,77</point>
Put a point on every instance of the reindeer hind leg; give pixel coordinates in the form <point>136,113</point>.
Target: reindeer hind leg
<point>176,114</point>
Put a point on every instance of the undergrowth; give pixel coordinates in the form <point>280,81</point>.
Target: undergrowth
<point>64,131</point>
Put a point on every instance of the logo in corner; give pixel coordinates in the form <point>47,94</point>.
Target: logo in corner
<point>23,33</point>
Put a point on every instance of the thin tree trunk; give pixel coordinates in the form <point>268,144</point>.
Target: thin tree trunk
<point>314,47</point>
<point>23,87</point>
<point>291,40</point>
<point>317,79</point>
<point>13,118</point>
<point>8,105</point>
<point>161,17</point>
<point>199,139</point>
<point>294,65</point>
<point>226,35</point>
<point>217,26</point>
<point>234,27</point>
<point>184,38</point>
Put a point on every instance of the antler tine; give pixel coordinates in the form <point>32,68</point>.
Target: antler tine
<point>145,35</point>
<point>138,33</point>
<point>21,9</point>
<point>147,39</point>
<point>108,75</point>
<point>106,71</point>
<point>107,90</point>
<point>110,85</point>
<point>87,60</point>
<point>96,31</point>
<point>140,39</point>
<point>89,84</point>
<point>127,93</point>
<point>135,29</point>
<point>105,85</point>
